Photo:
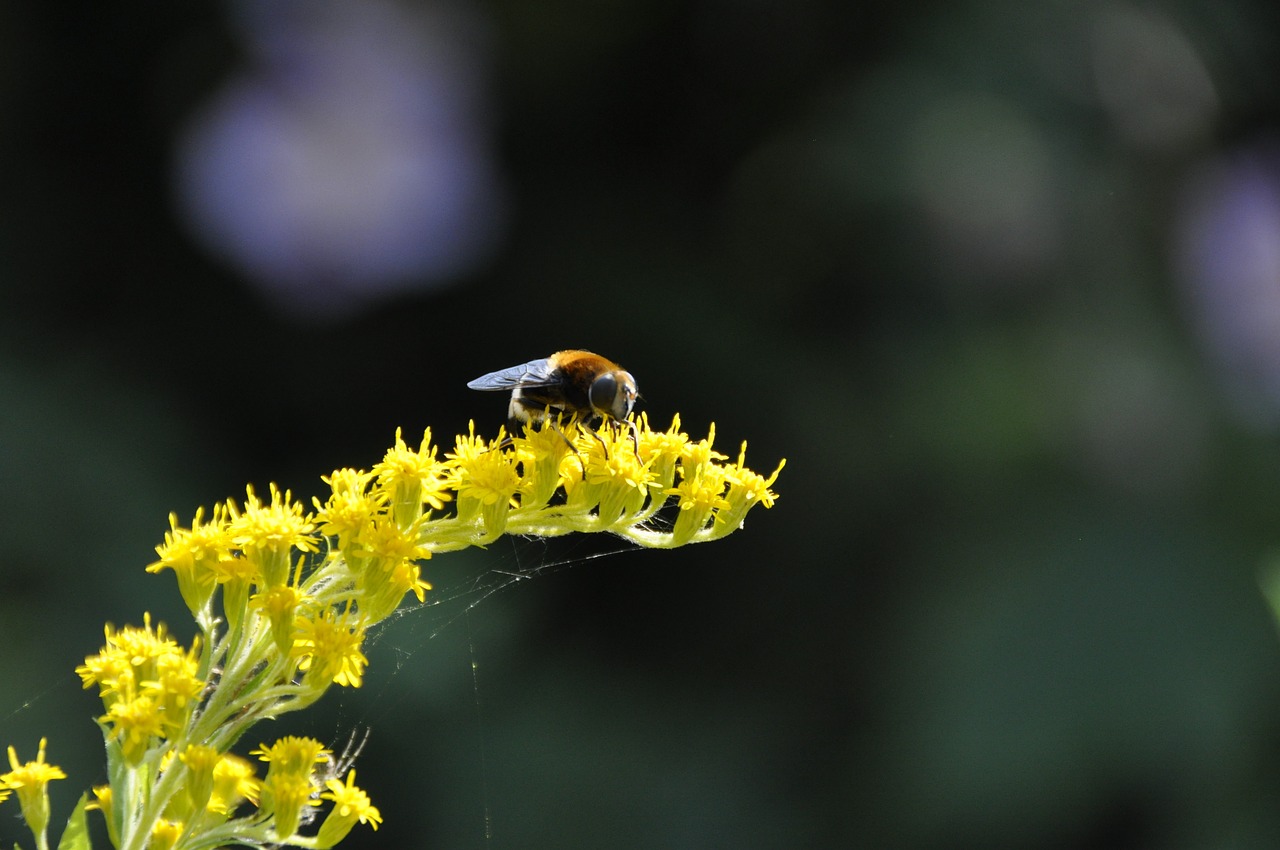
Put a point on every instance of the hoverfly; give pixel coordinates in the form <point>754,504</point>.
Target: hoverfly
<point>582,385</point>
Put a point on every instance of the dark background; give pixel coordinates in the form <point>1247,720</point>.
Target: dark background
<point>1001,280</point>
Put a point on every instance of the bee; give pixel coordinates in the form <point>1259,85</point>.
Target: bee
<point>582,385</point>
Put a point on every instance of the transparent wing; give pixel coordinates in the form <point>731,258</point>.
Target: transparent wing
<point>535,373</point>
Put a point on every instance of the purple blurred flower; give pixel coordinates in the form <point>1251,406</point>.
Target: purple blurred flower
<point>1228,256</point>
<point>351,160</point>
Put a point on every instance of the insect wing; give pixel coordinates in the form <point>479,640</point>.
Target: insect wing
<point>535,373</point>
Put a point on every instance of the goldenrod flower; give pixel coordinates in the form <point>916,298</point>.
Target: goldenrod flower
<point>234,782</point>
<point>621,479</point>
<point>192,554</point>
<point>697,456</point>
<point>267,534</point>
<point>148,684</point>
<point>130,648</point>
<point>701,496</point>
<point>31,783</point>
<point>407,578</point>
<point>165,835</point>
<point>201,761</point>
<point>413,478</point>
<point>746,489</point>
<point>669,443</point>
<point>350,805</point>
<point>350,507</point>
<point>102,799</point>
<point>113,673</point>
<point>287,791</point>
<point>281,605</point>
<point>135,724</point>
<point>329,649</point>
<point>388,543</point>
<point>384,566</point>
<point>539,452</point>
<point>490,479</point>
<point>238,576</point>
<point>485,482</point>
<point>293,754</point>
<point>176,687</point>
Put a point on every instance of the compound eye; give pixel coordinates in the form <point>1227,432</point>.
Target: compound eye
<point>625,398</point>
<point>604,393</point>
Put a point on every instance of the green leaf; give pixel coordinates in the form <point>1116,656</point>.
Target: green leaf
<point>76,835</point>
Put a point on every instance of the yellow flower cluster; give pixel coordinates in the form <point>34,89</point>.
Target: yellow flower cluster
<point>552,481</point>
<point>186,793</point>
<point>300,589</point>
<point>148,684</point>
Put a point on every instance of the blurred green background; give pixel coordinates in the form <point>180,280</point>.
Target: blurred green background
<point>1000,280</point>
